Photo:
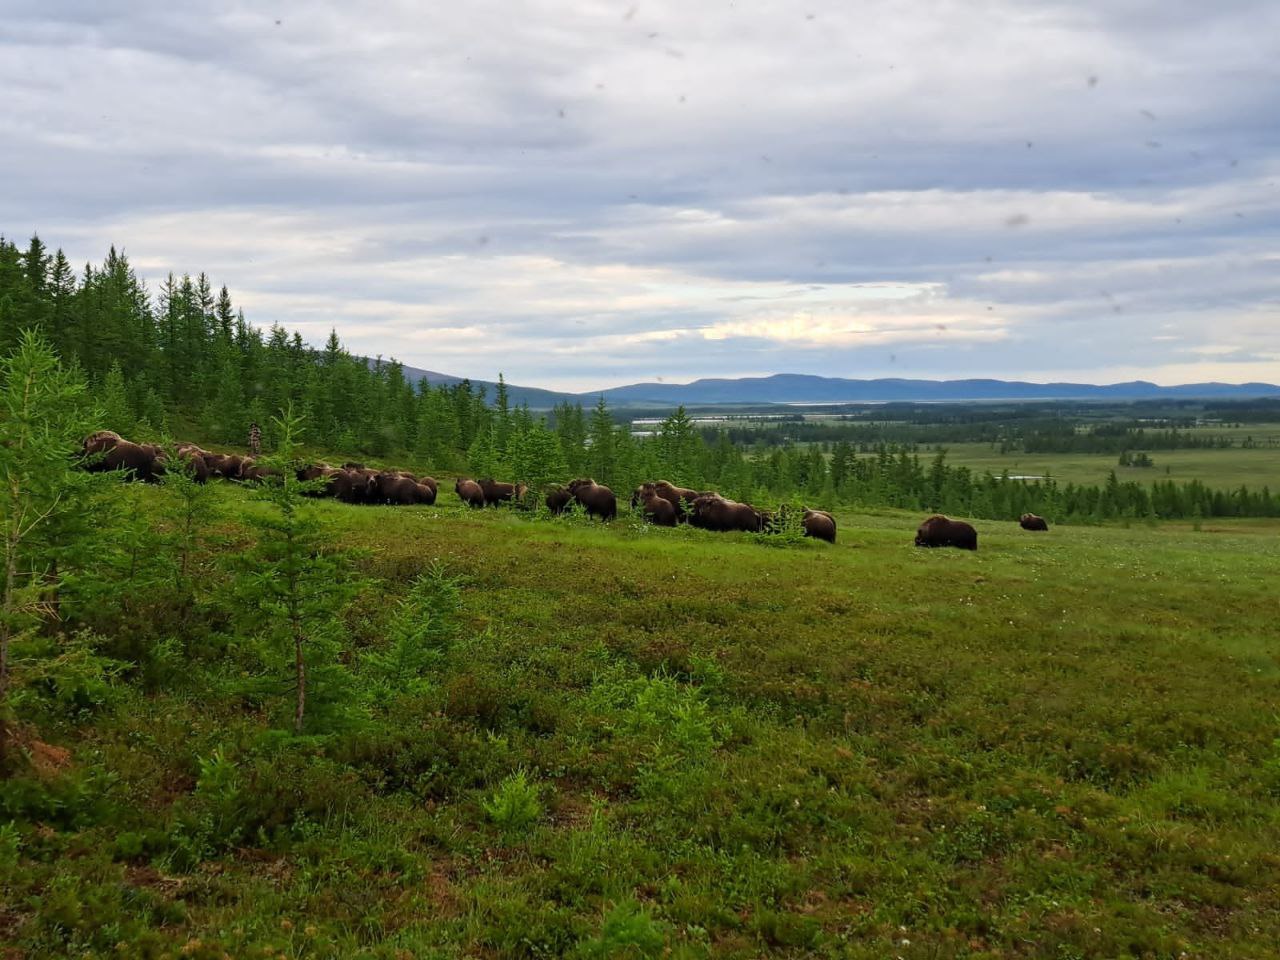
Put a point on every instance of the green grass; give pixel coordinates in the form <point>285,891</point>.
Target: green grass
<point>642,740</point>
<point>1218,469</point>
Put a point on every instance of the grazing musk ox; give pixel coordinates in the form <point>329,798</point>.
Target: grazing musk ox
<point>496,492</point>
<point>253,471</point>
<point>99,441</point>
<point>713,512</point>
<point>1029,521</point>
<point>346,486</point>
<point>105,451</point>
<point>558,500</point>
<point>395,489</point>
<point>679,497</point>
<point>597,499</point>
<point>940,531</point>
<point>657,509</point>
<point>819,524</point>
<point>469,492</point>
<point>225,465</point>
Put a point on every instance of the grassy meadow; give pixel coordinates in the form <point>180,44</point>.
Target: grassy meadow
<point>1217,468</point>
<point>635,742</point>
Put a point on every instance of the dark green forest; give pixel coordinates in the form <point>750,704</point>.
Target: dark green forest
<point>183,360</point>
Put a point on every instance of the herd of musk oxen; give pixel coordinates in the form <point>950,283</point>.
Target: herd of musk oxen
<point>660,503</point>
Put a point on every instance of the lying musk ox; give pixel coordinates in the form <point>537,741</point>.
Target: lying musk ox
<point>558,500</point>
<point>496,492</point>
<point>940,531</point>
<point>597,499</point>
<point>820,525</point>
<point>714,512</point>
<point>1029,521</point>
<point>469,492</point>
<point>656,509</point>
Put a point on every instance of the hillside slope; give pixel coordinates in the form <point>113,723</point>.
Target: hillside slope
<point>636,739</point>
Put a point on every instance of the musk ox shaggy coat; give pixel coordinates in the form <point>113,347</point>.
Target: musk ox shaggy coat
<point>714,512</point>
<point>99,442</point>
<point>656,509</point>
<point>399,490</point>
<point>820,525</point>
<point>558,500</point>
<point>940,531</point>
<point>105,451</point>
<point>597,499</point>
<point>225,465</point>
<point>193,459</point>
<point>469,492</point>
<point>679,497</point>
<point>1029,521</point>
<point>496,492</point>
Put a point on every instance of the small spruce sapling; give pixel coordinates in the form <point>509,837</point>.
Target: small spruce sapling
<point>296,585</point>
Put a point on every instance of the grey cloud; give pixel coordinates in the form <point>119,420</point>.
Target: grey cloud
<point>552,173</point>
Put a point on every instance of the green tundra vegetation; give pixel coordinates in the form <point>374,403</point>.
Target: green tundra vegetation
<point>239,722</point>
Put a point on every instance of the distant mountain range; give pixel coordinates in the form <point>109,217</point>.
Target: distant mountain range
<point>802,389</point>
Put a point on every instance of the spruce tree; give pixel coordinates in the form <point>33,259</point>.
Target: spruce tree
<point>117,413</point>
<point>43,414</point>
<point>678,448</point>
<point>602,454</point>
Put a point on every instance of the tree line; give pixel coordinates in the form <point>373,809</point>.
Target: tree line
<point>185,361</point>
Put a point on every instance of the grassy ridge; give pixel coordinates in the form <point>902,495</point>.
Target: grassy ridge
<point>641,740</point>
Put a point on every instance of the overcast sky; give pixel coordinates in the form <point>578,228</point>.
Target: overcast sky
<point>583,194</point>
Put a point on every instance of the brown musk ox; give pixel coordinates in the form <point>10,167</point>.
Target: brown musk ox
<point>940,531</point>
<point>314,472</point>
<point>101,454</point>
<point>679,497</point>
<point>398,490</point>
<point>656,509</point>
<point>496,492</point>
<point>363,483</point>
<point>225,465</point>
<point>253,471</point>
<point>191,449</point>
<point>819,524</point>
<point>469,492</point>
<point>597,499</point>
<point>346,486</point>
<point>558,500</point>
<point>1029,521</point>
<point>99,441</point>
<point>713,512</point>
<point>192,459</point>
